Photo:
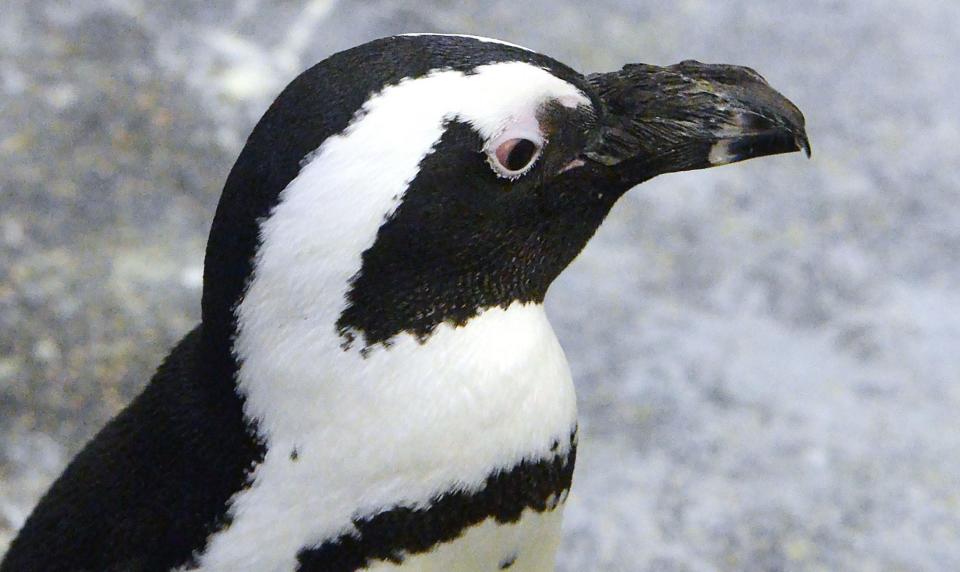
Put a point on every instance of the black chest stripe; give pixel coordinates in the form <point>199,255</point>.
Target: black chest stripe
<point>392,534</point>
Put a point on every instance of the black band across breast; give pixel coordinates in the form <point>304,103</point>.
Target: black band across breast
<point>397,532</point>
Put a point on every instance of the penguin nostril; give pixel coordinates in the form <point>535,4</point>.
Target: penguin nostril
<point>513,156</point>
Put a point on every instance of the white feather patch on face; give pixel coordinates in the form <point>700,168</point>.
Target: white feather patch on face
<point>330,213</point>
<point>407,422</point>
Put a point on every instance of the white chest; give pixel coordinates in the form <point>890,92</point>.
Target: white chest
<point>349,436</point>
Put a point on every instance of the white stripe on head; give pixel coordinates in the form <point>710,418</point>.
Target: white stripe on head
<point>312,242</point>
<point>500,384</point>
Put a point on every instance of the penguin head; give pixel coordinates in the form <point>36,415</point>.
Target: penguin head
<point>419,180</point>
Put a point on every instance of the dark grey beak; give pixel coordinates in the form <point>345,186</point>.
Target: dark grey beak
<point>690,116</point>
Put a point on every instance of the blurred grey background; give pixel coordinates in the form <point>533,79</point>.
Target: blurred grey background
<point>766,353</point>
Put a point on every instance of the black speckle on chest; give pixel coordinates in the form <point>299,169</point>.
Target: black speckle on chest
<point>394,533</point>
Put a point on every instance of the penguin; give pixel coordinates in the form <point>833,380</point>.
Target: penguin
<point>374,384</point>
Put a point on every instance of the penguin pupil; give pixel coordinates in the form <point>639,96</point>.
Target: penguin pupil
<point>521,154</point>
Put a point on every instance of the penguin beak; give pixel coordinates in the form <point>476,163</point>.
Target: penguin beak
<point>689,116</point>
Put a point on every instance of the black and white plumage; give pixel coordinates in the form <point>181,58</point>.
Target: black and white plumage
<point>374,384</point>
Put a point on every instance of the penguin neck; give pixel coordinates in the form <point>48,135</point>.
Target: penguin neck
<point>499,382</point>
<point>296,374</point>
<point>294,370</point>
<point>332,272</point>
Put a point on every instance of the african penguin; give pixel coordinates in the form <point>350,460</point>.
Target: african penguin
<point>374,384</point>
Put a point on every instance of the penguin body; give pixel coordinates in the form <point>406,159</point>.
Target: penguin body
<point>374,384</point>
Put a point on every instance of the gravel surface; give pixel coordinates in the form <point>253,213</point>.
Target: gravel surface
<point>766,353</point>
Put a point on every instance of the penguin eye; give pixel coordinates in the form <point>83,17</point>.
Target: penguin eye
<point>515,154</point>
<point>512,157</point>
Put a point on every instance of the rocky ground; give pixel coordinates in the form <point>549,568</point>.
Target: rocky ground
<point>766,353</point>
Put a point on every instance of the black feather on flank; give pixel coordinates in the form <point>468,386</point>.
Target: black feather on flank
<point>398,532</point>
<point>146,492</point>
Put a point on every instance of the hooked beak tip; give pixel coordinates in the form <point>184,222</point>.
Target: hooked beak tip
<point>803,144</point>
<point>733,148</point>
